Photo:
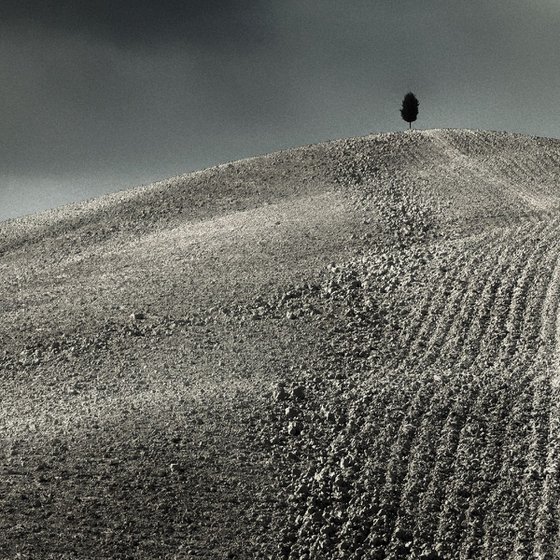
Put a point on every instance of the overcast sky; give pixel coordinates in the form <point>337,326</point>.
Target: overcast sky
<point>101,95</point>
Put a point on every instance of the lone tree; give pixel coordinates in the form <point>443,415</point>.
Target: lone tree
<point>409,110</point>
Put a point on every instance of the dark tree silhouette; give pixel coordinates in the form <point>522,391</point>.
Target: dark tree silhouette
<point>409,110</point>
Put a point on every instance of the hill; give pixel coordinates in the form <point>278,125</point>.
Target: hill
<point>346,350</point>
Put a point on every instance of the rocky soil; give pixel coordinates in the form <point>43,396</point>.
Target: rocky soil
<point>346,351</point>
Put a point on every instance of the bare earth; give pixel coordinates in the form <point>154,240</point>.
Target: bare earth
<point>347,351</point>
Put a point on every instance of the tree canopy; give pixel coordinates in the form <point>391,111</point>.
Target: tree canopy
<point>409,110</point>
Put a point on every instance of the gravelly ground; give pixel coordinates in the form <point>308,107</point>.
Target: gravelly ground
<point>347,350</point>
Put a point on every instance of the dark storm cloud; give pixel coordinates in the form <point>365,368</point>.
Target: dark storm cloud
<point>212,23</point>
<point>94,92</point>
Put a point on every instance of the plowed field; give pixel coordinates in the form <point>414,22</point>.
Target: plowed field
<point>347,351</point>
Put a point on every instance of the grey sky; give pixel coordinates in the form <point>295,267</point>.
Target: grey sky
<point>99,96</point>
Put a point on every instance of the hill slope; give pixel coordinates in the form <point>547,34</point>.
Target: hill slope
<point>347,350</point>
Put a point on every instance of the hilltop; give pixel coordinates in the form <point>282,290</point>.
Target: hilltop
<point>345,350</point>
